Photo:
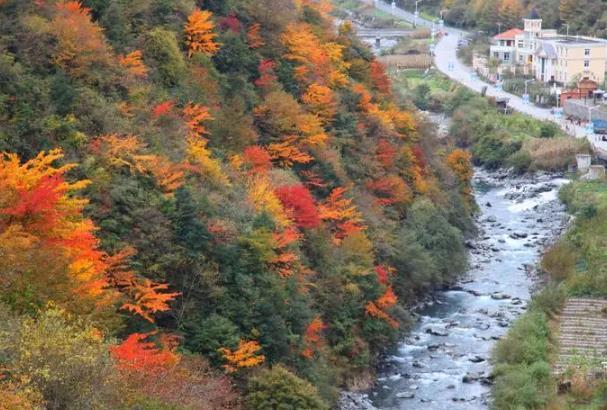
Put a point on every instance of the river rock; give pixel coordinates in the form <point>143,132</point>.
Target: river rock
<point>405,395</point>
<point>472,377</point>
<point>354,401</point>
<point>437,332</point>
<point>500,296</point>
<point>476,359</point>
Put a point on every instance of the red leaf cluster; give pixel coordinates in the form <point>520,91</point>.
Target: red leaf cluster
<point>257,159</point>
<point>299,203</point>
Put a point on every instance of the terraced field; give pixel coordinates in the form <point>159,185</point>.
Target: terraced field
<point>582,336</point>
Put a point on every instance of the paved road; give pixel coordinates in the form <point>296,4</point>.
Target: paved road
<point>447,62</point>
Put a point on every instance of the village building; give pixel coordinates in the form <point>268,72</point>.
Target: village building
<point>549,56</point>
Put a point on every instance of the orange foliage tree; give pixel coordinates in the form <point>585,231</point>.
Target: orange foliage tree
<point>45,241</point>
<point>321,101</point>
<point>135,353</point>
<point>245,356</point>
<point>134,64</point>
<point>341,214</point>
<point>80,42</point>
<point>380,79</point>
<point>317,61</point>
<point>254,36</point>
<point>199,34</point>
<point>313,338</point>
<point>378,308</point>
<point>162,109</point>
<point>195,115</point>
<point>461,164</point>
<point>285,261</point>
<point>390,190</point>
<point>257,159</point>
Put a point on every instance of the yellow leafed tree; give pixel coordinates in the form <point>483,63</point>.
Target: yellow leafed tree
<point>245,356</point>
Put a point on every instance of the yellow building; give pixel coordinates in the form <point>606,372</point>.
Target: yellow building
<point>571,59</point>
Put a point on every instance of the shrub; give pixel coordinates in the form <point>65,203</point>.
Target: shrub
<point>560,259</point>
<point>66,360</point>
<point>528,341</point>
<point>522,387</point>
<point>278,388</point>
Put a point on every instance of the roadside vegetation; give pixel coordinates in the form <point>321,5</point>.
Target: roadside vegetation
<point>494,138</point>
<point>577,267</point>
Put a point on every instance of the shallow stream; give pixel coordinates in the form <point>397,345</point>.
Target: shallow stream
<point>443,363</point>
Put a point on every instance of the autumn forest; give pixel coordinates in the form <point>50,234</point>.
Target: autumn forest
<point>209,204</point>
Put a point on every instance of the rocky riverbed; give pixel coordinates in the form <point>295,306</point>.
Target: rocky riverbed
<point>444,361</point>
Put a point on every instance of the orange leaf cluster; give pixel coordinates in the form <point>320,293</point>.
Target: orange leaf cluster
<point>460,163</point>
<point>38,213</point>
<point>378,308</point>
<point>380,79</point>
<point>80,42</point>
<point>195,115</point>
<point>343,216</point>
<point>320,101</point>
<point>134,64</point>
<point>390,190</point>
<point>135,354</point>
<point>162,109</point>
<point>257,159</point>
<point>199,34</point>
<point>318,61</point>
<point>244,357</point>
<point>145,297</point>
<point>313,338</point>
<point>386,153</point>
<point>266,74</point>
<point>285,260</point>
<point>286,154</point>
<point>254,36</point>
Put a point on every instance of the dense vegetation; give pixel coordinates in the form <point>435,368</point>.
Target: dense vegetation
<point>494,138</point>
<point>577,265</point>
<point>208,204</point>
<point>585,17</point>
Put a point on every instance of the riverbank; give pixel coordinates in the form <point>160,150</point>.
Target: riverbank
<point>577,266</point>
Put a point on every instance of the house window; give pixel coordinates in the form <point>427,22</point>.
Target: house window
<point>520,58</point>
<point>506,56</point>
<point>586,51</point>
<point>496,55</point>
<point>520,44</point>
<point>586,63</point>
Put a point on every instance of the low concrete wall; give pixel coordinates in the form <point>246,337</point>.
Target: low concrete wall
<point>577,109</point>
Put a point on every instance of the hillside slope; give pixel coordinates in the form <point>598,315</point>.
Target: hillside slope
<point>193,192</point>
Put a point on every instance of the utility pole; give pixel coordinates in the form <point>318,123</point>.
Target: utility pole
<point>499,28</point>
<point>567,25</point>
<point>416,14</point>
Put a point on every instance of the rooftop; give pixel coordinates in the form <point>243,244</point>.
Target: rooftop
<point>509,35</point>
<point>575,40</point>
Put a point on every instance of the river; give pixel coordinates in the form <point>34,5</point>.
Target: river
<point>443,362</point>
